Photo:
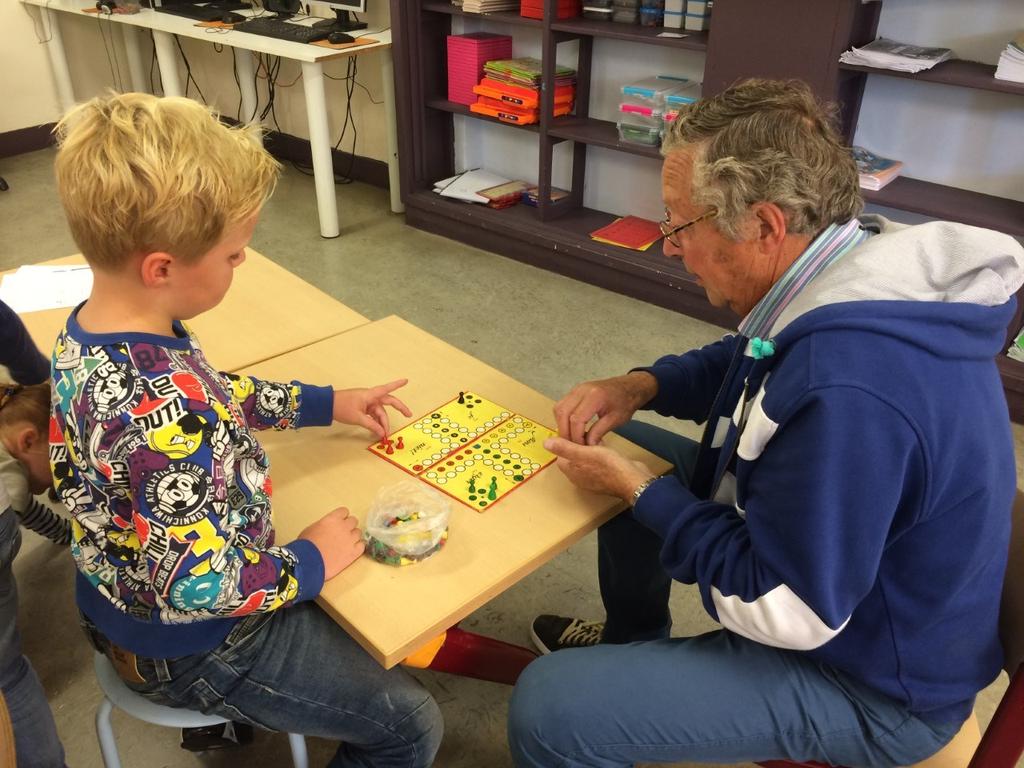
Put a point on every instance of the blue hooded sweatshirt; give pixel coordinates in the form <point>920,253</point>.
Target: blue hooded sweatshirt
<point>852,496</point>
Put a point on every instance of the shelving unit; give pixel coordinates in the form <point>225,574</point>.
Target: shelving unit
<point>748,38</point>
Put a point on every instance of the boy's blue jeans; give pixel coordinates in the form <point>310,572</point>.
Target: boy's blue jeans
<point>36,743</point>
<point>295,670</point>
<point>712,698</point>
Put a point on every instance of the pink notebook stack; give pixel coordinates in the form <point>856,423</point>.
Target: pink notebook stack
<point>467,55</point>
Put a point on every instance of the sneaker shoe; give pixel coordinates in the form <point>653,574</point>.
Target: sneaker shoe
<point>220,736</point>
<point>553,633</point>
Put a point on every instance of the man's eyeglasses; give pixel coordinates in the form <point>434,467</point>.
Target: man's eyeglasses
<point>669,232</point>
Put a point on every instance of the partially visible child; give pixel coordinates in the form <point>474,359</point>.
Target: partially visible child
<point>24,471</point>
<point>181,582</point>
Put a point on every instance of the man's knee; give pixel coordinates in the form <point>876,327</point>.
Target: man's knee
<point>537,714</point>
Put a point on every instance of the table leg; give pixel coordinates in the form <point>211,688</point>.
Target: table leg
<point>320,146</point>
<point>458,652</point>
<point>131,46</point>
<point>387,76</point>
<point>245,68</point>
<point>58,60</point>
<point>167,58</point>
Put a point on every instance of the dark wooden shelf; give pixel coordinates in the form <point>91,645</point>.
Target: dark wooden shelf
<point>951,203</point>
<point>600,133</point>
<point>461,109</point>
<point>966,74</point>
<point>505,17</point>
<point>564,246</point>
<point>694,41</point>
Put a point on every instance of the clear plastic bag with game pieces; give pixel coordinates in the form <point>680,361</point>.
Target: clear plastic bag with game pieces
<point>406,523</point>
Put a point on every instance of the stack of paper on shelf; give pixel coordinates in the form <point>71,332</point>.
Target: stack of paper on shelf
<point>1011,60</point>
<point>467,185</point>
<point>489,6</point>
<point>629,232</point>
<point>875,171</point>
<point>467,55</point>
<point>889,54</point>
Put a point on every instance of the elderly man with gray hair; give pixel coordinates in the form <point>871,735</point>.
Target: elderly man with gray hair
<point>845,517</point>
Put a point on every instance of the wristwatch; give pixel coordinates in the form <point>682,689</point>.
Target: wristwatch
<point>638,491</point>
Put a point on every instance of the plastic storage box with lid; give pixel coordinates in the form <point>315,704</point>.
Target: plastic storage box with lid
<point>653,91</point>
<point>625,14</point>
<point>638,134</point>
<point>651,17</point>
<point>674,12</point>
<point>676,101</point>
<point>640,116</point>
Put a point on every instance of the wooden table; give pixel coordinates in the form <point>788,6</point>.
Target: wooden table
<point>268,311</point>
<point>394,611</point>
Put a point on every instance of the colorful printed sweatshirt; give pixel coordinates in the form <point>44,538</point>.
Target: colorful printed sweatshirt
<point>153,452</point>
<point>852,496</point>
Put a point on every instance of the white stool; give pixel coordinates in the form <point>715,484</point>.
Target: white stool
<point>117,694</point>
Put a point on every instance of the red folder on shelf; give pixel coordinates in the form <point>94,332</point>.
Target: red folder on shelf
<point>510,114</point>
<point>629,232</point>
<point>520,97</point>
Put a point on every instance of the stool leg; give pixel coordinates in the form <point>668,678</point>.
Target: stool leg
<point>105,734</point>
<point>298,745</point>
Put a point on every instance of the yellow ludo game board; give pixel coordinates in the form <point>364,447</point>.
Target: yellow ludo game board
<point>473,450</point>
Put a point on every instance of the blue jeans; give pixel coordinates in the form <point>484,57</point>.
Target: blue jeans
<point>296,670</point>
<point>642,697</point>
<point>36,743</point>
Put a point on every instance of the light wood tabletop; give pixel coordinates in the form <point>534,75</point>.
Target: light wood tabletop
<point>268,311</point>
<point>392,611</point>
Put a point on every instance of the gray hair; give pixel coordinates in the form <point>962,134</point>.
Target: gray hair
<point>768,141</point>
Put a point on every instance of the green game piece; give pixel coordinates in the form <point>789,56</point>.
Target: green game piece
<point>492,492</point>
<point>472,485</point>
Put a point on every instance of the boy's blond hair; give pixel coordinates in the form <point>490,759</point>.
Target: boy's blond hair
<point>142,174</point>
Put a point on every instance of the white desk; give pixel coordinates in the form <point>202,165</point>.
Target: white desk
<point>165,26</point>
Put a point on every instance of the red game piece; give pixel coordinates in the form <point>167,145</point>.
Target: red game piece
<point>399,445</point>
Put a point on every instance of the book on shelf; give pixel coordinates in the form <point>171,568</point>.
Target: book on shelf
<point>890,54</point>
<point>489,6</point>
<point>631,232</point>
<point>1011,60</point>
<point>874,170</point>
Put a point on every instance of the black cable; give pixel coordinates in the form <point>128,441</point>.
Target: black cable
<point>47,32</point>
<point>188,72</point>
<point>238,84</point>
<point>113,64</point>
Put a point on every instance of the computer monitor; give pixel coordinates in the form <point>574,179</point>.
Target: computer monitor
<point>282,9</point>
<point>343,10</point>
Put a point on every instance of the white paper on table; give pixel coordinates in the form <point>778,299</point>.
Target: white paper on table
<point>33,288</point>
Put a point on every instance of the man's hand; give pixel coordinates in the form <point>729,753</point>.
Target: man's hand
<point>611,401</point>
<point>597,468</point>
<point>365,407</point>
<point>338,538</point>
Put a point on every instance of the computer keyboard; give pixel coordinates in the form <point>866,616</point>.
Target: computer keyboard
<point>204,12</point>
<point>282,30</point>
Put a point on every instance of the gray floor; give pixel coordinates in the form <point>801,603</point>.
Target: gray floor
<point>547,331</point>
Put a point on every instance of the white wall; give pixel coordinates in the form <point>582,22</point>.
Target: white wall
<point>965,138</point>
<point>97,60</point>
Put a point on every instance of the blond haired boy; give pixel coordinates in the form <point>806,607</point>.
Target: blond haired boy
<point>154,451</point>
